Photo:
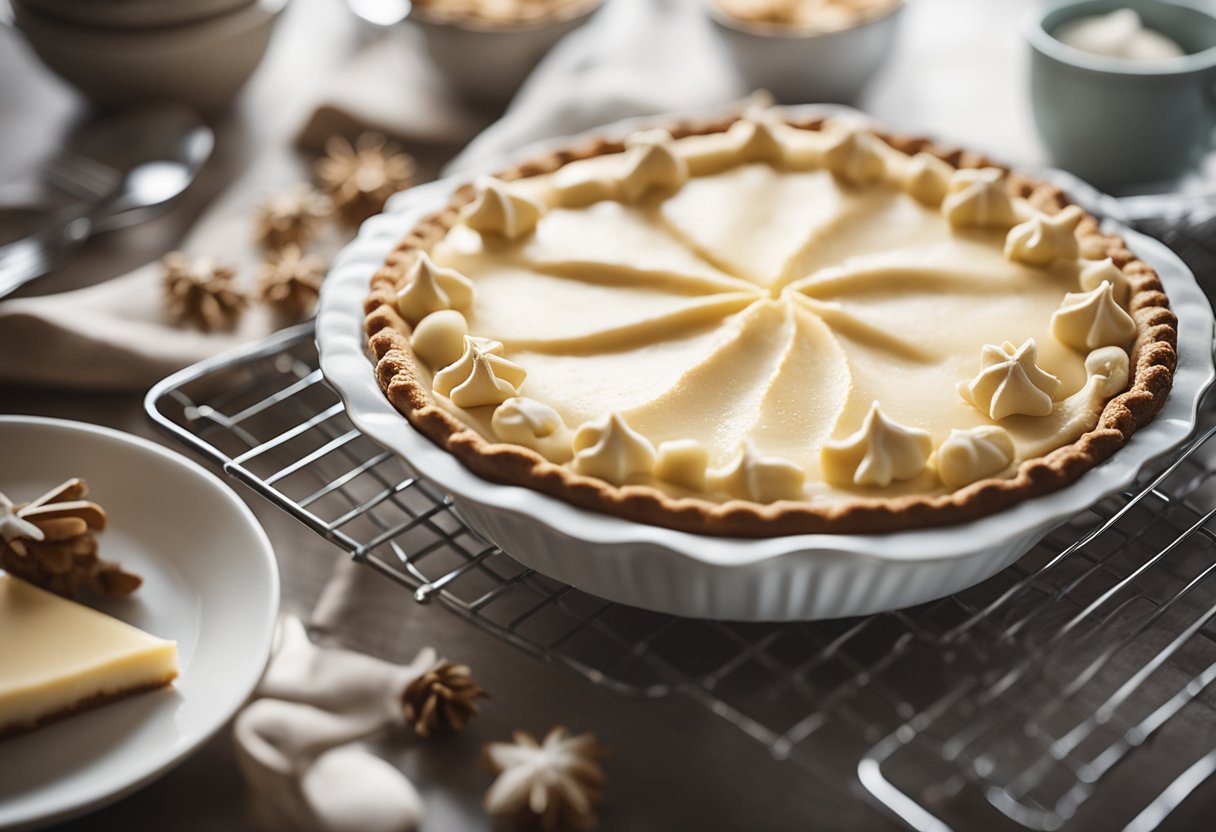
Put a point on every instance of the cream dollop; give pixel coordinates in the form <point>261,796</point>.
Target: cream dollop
<point>757,136</point>
<point>650,163</point>
<point>611,450</point>
<point>762,479</point>
<point>970,455</point>
<point>880,452</point>
<point>1094,274</point>
<point>438,339</point>
<point>978,197</point>
<point>926,179</point>
<point>534,425</point>
<point>853,155</point>
<point>1119,34</point>
<point>1010,383</point>
<point>481,376</point>
<point>683,462</point>
<point>1088,320</point>
<point>1043,238</point>
<point>1112,365</point>
<point>497,210</point>
<point>429,288</point>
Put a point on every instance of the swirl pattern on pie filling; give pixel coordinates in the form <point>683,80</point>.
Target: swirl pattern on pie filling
<point>771,313</point>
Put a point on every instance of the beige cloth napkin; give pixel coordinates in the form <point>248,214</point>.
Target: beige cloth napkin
<point>392,87</point>
<point>298,743</point>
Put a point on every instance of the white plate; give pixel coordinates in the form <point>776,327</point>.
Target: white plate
<point>210,584</point>
<point>799,577</point>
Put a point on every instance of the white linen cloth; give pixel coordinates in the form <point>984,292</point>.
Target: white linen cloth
<point>635,57</point>
<point>298,743</point>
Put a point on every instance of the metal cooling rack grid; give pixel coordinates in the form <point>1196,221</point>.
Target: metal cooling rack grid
<point>1073,686</point>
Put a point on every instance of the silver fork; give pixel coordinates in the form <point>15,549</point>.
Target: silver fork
<point>88,180</point>
<point>33,256</point>
<point>81,176</point>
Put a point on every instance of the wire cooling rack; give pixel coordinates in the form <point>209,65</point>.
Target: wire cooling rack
<point>1074,689</point>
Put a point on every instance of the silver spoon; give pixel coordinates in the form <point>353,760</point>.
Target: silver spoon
<point>157,151</point>
<point>154,154</point>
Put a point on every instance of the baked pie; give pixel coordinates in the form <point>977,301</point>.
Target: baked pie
<point>501,13</point>
<point>811,15</point>
<point>762,326</point>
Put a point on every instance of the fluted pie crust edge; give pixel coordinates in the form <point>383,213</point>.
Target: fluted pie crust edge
<point>1153,357</point>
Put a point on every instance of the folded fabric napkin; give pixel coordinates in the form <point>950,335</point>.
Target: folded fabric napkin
<point>298,743</point>
<point>635,57</point>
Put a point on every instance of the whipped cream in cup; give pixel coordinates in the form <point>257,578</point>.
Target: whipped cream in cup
<point>1119,34</point>
<point>1123,90</point>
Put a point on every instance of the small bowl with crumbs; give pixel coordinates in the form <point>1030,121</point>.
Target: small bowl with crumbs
<point>807,50</point>
<point>486,48</point>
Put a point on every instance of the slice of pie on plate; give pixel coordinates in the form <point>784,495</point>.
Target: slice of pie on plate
<point>759,327</point>
<point>58,657</point>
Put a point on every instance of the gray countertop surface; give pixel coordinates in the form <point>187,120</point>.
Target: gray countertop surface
<point>958,72</point>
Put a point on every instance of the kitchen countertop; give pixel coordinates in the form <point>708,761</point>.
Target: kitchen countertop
<point>674,765</point>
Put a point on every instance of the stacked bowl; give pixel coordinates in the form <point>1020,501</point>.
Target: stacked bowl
<point>122,52</point>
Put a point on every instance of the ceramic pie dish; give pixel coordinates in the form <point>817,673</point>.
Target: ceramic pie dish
<point>790,576</point>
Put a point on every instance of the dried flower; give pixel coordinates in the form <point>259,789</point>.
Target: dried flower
<point>442,699</point>
<point>199,292</point>
<point>292,217</point>
<point>359,179</point>
<point>290,280</point>
<point>50,542</point>
<point>555,783</point>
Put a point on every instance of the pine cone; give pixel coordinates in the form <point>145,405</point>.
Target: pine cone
<point>442,699</point>
<point>290,280</point>
<point>360,178</point>
<point>50,542</point>
<point>290,218</point>
<point>200,292</point>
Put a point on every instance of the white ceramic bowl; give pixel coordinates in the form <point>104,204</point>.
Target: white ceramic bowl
<point>202,64</point>
<point>799,577</point>
<point>486,64</point>
<point>118,14</point>
<point>799,66</point>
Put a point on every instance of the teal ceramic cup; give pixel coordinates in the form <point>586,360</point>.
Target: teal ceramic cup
<point>1119,122</point>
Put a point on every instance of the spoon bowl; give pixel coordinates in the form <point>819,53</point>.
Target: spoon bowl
<point>151,156</point>
<point>157,151</point>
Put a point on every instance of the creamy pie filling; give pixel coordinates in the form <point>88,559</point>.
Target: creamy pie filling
<point>770,313</point>
<point>58,656</point>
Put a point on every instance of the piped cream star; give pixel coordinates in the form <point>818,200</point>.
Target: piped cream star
<point>1045,238</point>
<point>1010,382</point>
<point>13,525</point>
<point>556,781</point>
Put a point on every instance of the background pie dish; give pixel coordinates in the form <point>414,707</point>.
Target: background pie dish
<point>864,504</point>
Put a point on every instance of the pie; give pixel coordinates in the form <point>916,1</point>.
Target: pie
<point>503,13</point>
<point>760,327</point>
<point>59,657</point>
<point>811,15</point>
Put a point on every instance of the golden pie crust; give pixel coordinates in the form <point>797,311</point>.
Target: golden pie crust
<point>1153,359</point>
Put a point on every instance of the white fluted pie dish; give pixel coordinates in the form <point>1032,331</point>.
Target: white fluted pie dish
<point>778,578</point>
